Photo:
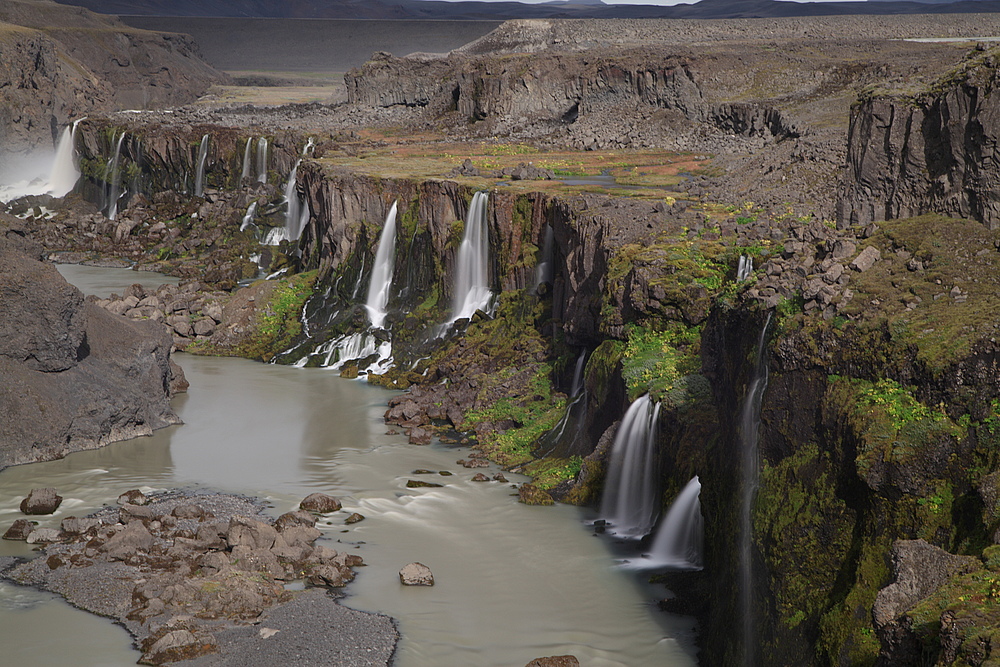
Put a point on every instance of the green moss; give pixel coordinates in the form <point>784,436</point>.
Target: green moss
<point>549,472</point>
<point>657,362</point>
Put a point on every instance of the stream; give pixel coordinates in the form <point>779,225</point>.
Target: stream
<point>512,582</point>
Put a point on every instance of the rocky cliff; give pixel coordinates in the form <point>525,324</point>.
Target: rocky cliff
<point>75,376</point>
<point>60,63</point>
<point>927,151</point>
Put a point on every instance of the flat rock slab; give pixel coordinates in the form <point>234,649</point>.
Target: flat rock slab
<point>312,629</point>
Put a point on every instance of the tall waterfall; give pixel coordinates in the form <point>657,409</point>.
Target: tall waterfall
<point>245,173</point>
<point>679,539</point>
<point>564,439</point>
<point>544,270</point>
<point>472,287</point>
<point>381,281</point>
<point>631,498</point>
<point>749,483</point>
<point>199,174</point>
<point>262,160</point>
<point>65,172</point>
<point>297,215</point>
<point>114,168</point>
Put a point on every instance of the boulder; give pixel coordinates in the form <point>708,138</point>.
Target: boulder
<point>44,536</point>
<point>135,538</point>
<point>354,518</point>
<point>480,477</point>
<point>178,645</point>
<point>41,501</point>
<point>293,519</point>
<point>133,497</point>
<point>320,503</point>
<point>250,533</point>
<point>866,259</point>
<point>19,530</point>
<point>416,574</point>
<point>555,661</point>
<point>74,526</point>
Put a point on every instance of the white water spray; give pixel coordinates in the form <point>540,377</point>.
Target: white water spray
<point>114,195</point>
<point>262,160</point>
<point>631,499</point>
<point>381,281</point>
<point>297,215</point>
<point>745,268</point>
<point>472,288</point>
<point>248,217</point>
<point>245,173</point>
<point>679,539</point>
<point>65,172</point>
<point>199,174</point>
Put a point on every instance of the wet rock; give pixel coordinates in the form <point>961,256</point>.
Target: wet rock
<point>133,497</point>
<point>327,575</point>
<point>354,518</point>
<point>416,574</point>
<point>480,477</point>
<point>420,484</point>
<point>529,494</point>
<point>320,503</point>
<point>555,661</point>
<point>41,501</point>
<point>499,477</point>
<point>420,436</point>
<point>19,530</point>
<point>295,518</point>
<point>473,463</point>
<point>866,259</point>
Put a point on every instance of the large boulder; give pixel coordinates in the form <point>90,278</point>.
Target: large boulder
<point>75,376</point>
<point>416,574</point>
<point>41,501</point>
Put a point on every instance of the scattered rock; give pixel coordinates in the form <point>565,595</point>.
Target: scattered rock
<point>133,497</point>
<point>44,536</point>
<point>420,484</point>
<point>320,503</point>
<point>19,530</point>
<point>499,477</point>
<point>866,259</point>
<point>41,501</point>
<point>420,436</point>
<point>416,574</point>
<point>354,518</point>
<point>555,661</point>
<point>480,477</point>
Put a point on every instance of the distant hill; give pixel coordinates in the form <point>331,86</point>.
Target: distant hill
<point>434,9</point>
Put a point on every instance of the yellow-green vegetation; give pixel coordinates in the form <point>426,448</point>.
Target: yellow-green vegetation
<point>661,363</point>
<point>549,472</point>
<point>276,322</point>
<point>940,296</point>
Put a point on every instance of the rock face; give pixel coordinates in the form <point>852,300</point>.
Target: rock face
<point>58,63</point>
<point>930,152</point>
<point>76,376</point>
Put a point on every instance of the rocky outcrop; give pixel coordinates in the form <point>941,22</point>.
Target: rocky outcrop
<point>76,376</point>
<point>61,63</point>
<point>934,151</point>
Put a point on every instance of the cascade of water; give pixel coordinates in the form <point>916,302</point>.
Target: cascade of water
<point>749,483</point>
<point>472,288</point>
<point>544,270</point>
<point>631,500</point>
<point>385,259</point>
<point>577,386</point>
<point>297,214</point>
<point>248,218</point>
<point>113,168</point>
<point>65,172</point>
<point>199,174</point>
<point>262,160</point>
<point>745,267</point>
<point>245,173</point>
<point>308,148</point>
<point>679,539</point>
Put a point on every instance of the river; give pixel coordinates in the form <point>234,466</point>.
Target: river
<point>512,582</point>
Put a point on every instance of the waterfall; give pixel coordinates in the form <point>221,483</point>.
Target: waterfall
<point>385,258</point>
<point>262,160</point>
<point>297,215</point>
<point>248,218</point>
<point>310,145</point>
<point>749,483</point>
<point>113,167</point>
<point>472,288</point>
<point>631,499</point>
<point>544,270</point>
<point>679,539</point>
<point>577,386</point>
<point>199,174</point>
<point>562,440</point>
<point>245,174</point>
<point>745,268</point>
<point>65,171</point>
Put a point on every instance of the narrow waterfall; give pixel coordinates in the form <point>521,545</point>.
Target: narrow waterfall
<point>245,173</point>
<point>381,281</point>
<point>680,538</point>
<point>297,215</point>
<point>262,160</point>
<point>248,217</point>
<point>308,148</point>
<point>563,439</point>
<point>631,498</point>
<point>749,483</point>
<point>576,389</point>
<point>199,174</point>
<point>544,270</point>
<point>745,268</point>
<point>115,185</point>
<point>472,287</point>
<point>65,172</point>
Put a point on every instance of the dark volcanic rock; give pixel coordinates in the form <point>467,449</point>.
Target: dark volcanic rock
<point>41,501</point>
<point>19,530</point>
<point>75,376</point>
<point>320,503</point>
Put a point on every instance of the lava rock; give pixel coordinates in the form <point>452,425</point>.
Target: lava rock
<point>41,501</point>
<point>416,574</point>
